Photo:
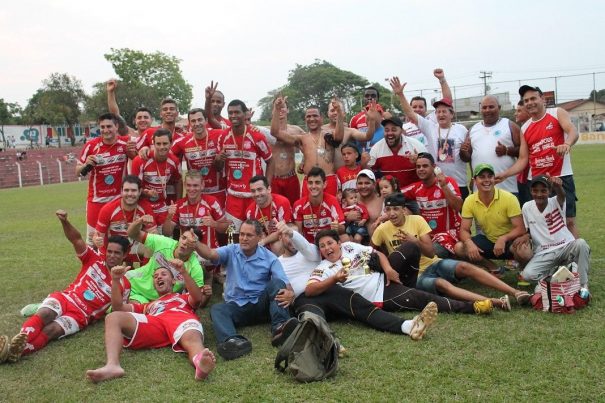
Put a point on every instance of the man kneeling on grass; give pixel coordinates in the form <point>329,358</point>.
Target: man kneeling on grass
<point>85,300</point>
<point>169,320</point>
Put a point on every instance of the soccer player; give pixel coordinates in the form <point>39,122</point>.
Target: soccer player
<point>168,321</point>
<point>215,102</point>
<point>159,174</point>
<point>84,301</point>
<point>142,117</point>
<point>116,216</point>
<point>169,114</point>
<point>106,158</point>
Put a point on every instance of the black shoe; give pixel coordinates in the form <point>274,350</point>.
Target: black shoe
<point>283,332</point>
<point>234,347</point>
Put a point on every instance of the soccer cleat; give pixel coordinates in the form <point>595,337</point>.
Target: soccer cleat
<point>422,322</point>
<point>483,307</point>
<point>30,310</point>
<point>4,343</point>
<point>17,345</point>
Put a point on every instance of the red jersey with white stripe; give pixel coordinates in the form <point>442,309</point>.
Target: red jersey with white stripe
<point>348,177</point>
<point>105,182</point>
<point>225,124</point>
<point>200,155</point>
<point>158,176</point>
<point>396,163</point>
<point>91,290</point>
<point>547,228</point>
<point>244,154</point>
<point>542,137</point>
<point>434,207</point>
<point>146,139</point>
<point>278,210</point>
<point>316,218</point>
<point>360,208</point>
<point>189,215</point>
<point>166,304</point>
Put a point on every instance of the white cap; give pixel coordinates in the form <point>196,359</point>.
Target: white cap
<point>367,173</point>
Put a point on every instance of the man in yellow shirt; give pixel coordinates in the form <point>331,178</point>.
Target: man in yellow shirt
<point>498,215</point>
<point>436,275</point>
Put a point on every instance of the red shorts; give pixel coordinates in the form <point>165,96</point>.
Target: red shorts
<point>162,331</point>
<point>331,186</point>
<point>287,185</point>
<point>69,317</point>
<point>445,239</point>
<point>235,208</point>
<point>92,216</point>
<point>220,196</point>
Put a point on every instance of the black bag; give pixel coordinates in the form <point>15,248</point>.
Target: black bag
<point>310,353</point>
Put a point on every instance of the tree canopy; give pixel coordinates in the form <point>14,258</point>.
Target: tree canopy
<point>144,80</point>
<point>600,95</point>
<point>315,85</point>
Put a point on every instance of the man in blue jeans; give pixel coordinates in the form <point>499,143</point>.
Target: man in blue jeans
<point>256,290</point>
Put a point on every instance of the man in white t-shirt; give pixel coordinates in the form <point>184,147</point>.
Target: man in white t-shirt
<point>552,241</point>
<point>494,140</point>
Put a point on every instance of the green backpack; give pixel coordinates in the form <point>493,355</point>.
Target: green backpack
<point>310,353</point>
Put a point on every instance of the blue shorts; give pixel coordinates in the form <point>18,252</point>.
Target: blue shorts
<point>354,229</point>
<point>445,269</point>
<point>487,247</point>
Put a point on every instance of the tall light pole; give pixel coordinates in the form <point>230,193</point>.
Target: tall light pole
<point>484,76</point>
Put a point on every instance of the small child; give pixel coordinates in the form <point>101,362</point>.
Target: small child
<point>355,229</point>
<point>386,185</point>
<point>347,174</point>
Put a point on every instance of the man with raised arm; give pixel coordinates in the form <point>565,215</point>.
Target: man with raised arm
<point>168,321</point>
<point>84,301</point>
<point>106,158</point>
<point>142,118</point>
<point>215,102</point>
<point>444,138</point>
<point>317,151</point>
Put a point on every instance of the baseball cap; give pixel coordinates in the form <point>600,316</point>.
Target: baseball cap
<point>444,101</point>
<point>393,120</point>
<point>352,145</point>
<point>395,199</point>
<point>483,167</point>
<point>543,179</point>
<point>368,173</point>
<point>525,88</point>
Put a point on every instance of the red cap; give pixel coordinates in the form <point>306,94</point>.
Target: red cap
<point>445,102</point>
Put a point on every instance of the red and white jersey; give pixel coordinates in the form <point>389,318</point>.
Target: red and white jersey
<point>411,130</point>
<point>146,139</point>
<point>189,215</point>
<point>542,137</point>
<point>105,182</point>
<point>244,155</point>
<point>91,290</point>
<point>159,176</point>
<point>359,207</point>
<point>200,155</point>
<point>434,207</point>
<point>396,163</point>
<point>169,303</point>
<point>547,228</point>
<point>278,210</point>
<point>225,124</point>
<point>316,218</point>
<point>348,177</point>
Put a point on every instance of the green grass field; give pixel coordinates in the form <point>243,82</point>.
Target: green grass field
<point>519,356</point>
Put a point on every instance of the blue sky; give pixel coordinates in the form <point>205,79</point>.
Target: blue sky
<point>249,47</point>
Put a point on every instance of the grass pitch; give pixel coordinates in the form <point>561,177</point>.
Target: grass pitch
<point>519,356</point>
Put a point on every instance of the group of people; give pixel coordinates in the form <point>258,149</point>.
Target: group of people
<point>382,221</point>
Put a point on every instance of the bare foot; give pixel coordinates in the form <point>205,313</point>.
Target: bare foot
<point>204,363</point>
<point>105,373</point>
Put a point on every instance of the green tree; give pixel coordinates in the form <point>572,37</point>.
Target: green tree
<point>600,95</point>
<point>10,114</point>
<point>58,103</point>
<point>144,80</point>
<point>315,85</point>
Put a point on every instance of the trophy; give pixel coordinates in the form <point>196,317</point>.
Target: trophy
<point>230,231</point>
<point>346,264</point>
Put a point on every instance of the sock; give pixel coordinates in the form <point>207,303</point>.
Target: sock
<point>36,344</point>
<point>406,326</point>
<point>32,327</point>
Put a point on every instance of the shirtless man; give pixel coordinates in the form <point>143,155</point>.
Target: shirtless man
<point>372,115</point>
<point>316,151</point>
<point>285,180</point>
<point>366,187</point>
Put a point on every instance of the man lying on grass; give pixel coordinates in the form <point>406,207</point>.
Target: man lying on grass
<point>85,300</point>
<point>169,320</point>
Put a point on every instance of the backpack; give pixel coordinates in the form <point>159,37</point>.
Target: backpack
<point>310,353</point>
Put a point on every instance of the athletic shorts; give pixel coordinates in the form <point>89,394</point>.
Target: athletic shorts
<point>487,247</point>
<point>162,331</point>
<point>331,186</point>
<point>235,209</point>
<point>92,216</point>
<point>69,317</point>
<point>287,186</point>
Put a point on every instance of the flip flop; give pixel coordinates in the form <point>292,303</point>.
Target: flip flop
<point>200,374</point>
